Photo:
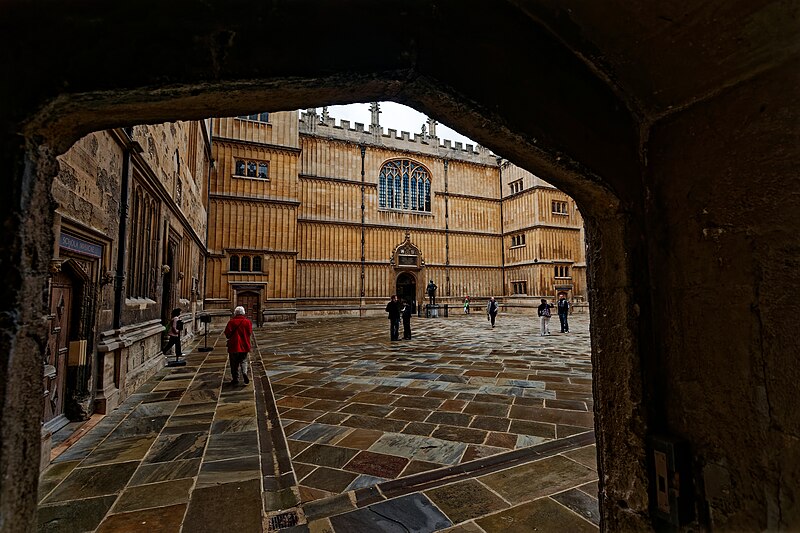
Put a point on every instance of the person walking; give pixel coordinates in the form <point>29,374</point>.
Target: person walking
<point>563,311</point>
<point>466,305</point>
<point>238,332</point>
<point>174,334</point>
<point>491,310</point>
<point>544,315</point>
<point>393,308</point>
<point>406,313</point>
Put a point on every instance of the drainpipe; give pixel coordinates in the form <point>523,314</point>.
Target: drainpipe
<point>211,164</point>
<point>502,227</point>
<point>363,236</point>
<point>446,231</point>
<point>122,238</point>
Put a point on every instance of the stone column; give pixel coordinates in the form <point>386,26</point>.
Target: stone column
<point>27,210</point>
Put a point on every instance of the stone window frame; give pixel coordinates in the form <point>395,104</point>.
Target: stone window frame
<point>254,262</point>
<point>519,287</point>
<point>143,243</point>
<point>562,272</point>
<point>516,186</point>
<point>246,164</point>
<point>560,207</point>
<point>518,240</point>
<point>405,187</point>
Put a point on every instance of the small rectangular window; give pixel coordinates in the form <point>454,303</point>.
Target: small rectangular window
<point>240,168</point>
<point>264,117</point>
<point>245,263</point>
<point>251,169</point>
<point>519,287</point>
<point>257,263</point>
<point>559,207</point>
<point>516,186</point>
<point>262,170</point>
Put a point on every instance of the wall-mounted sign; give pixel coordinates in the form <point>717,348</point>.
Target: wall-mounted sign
<point>77,245</point>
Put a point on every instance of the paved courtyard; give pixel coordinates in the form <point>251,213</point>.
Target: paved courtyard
<point>463,428</point>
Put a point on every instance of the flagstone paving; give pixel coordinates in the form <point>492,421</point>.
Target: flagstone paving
<point>463,427</point>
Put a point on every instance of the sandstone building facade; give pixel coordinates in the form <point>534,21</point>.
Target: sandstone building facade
<point>309,216</point>
<point>289,215</point>
<point>130,230</point>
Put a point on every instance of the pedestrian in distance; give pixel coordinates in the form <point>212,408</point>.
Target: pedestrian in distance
<point>406,313</point>
<point>491,310</point>
<point>466,305</point>
<point>563,311</point>
<point>393,308</point>
<point>238,332</point>
<point>544,317</point>
<point>174,334</point>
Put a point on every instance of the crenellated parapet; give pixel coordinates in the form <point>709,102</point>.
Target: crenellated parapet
<point>312,123</point>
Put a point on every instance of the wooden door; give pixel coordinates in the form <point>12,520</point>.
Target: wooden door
<point>249,300</point>
<point>55,369</point>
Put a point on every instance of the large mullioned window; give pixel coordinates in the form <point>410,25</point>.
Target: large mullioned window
<point>404,184</point>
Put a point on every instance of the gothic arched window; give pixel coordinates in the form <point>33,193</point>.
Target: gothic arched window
<point>404,184</point>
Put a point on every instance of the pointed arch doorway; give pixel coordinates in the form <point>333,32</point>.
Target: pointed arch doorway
<point>406,289</point>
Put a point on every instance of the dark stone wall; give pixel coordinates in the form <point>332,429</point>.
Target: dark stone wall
<point>724,251</point>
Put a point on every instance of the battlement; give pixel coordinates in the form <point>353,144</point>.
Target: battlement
<point>312,123</point>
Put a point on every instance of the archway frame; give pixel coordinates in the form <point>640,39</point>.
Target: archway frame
<point>597,168</point>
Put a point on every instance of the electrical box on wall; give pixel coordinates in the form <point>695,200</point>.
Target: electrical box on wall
<point>672,491</point>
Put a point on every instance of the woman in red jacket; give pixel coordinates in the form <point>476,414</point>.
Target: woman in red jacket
<point>238,333</point>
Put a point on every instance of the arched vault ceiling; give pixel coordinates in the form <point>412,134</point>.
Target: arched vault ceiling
<point>665,55</point>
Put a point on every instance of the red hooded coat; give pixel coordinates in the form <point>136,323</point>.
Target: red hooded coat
<point>238,332</point>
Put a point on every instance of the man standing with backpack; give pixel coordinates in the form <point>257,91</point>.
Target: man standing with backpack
<point>544,314</point>
<point>174,334</point>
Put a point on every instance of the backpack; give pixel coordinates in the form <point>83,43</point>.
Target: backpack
<point>179,325</point>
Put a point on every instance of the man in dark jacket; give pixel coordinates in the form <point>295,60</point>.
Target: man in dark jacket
<point>393,308</point>
<point>406,312</point>
<point>563,311</point>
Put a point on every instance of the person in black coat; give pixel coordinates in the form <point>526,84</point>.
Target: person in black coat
<point>393,308</point>
<point>406,313</point>
<point>563,311</point>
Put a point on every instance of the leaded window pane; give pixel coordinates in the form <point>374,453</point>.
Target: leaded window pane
<point>234,263</point>
<point>382,190</point>
<point>413,193</point>
<point>245,263</point>
<point>389,192</point>
<point>262,170</point>
<point>257,263</point>
<point>397,192</point>
<point>421,197</point>
<point>251,169</point>
<point>427,195</point>
<point>405,191</point>
<point>240,167</point>
<point>264,117</point>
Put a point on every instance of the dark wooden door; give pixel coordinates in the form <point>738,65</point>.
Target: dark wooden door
<point>406,289</point>
<point>55,370</point>
<point>249,300</point>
